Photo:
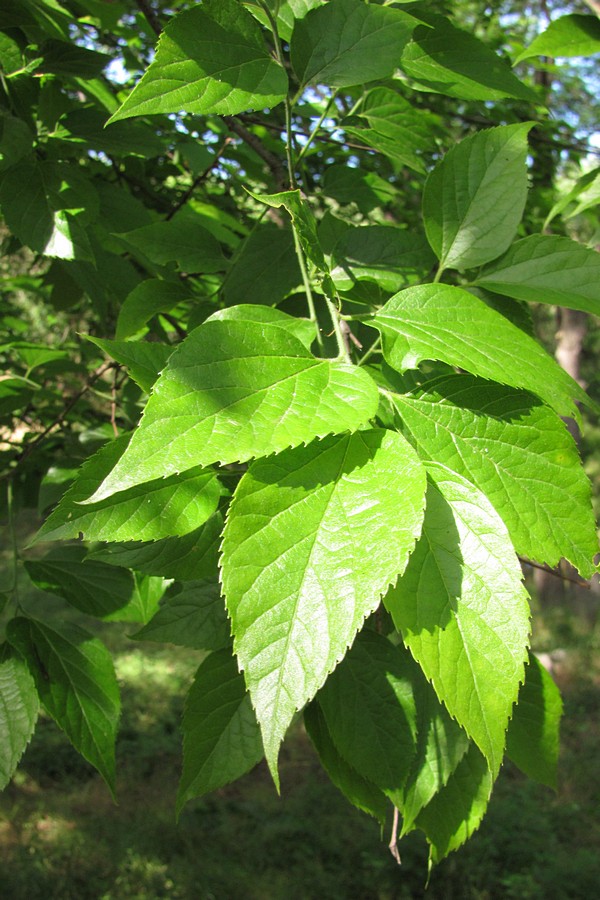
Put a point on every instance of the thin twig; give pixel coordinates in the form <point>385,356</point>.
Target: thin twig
<point>199,179</point>
<point>563,577</point>
<point>59,419</point>
<point>272,161</point>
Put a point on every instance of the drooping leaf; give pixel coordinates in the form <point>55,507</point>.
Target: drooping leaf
<point>194,617</point>
<point>76,683</point>
<point>533,733</point>
<point>455,813</point>
<point>517,452</point>
<point>94,587</point>
<point>393,126</point>
<point>445,323</point>
<point>233,390</point>
<point>305,225</point>
<point>145,301</point>
<point>193,556</point>
<point>221,737</point>
<point>371,714</point>
<point>443,58</point>
<point>19,706</point>
<point>266,269</point>
<point>463,612</point>
<point>313,538</point>
<point>345,43</point>
<point>209,59</point>
<point>568,36</point>
<point>361,792</point>
<point>474,198</point>
<point>160,509</point>
<point>441,745</point>
<point>183,240</point>
<point>546,268</point>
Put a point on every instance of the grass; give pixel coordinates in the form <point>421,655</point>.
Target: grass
<point>62,837</point>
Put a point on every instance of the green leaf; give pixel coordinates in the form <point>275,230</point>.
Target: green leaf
<point>361,792</point>
<point>145,301</point>
<point>287,12</point>
<point>391,257</point>
<point>455,813</point>
<point>85,126</point>
<point>183,240</point>
<point>441,745</point>
<point>76,683</point>
<point>544,268</point>
<point>517,452</point>
<point>93,587</point>
<point>15,138</point>
<point>533,733</point>
<point>586,188</point>
<point>442,58</point>
<point>394,127</point>
<point>303,329</point>
<point>209,59</point>
<point>370,711</point>
<point>568,36</point>
<point>19,706</point>
<point>144,360</point>
<point>234,390</point>
<point>266,269</point>
<point>313,538</point>
<point>474,198</point>
<point>345,43</point>
<point>193,556</point>
<point>160,509</point>
<point>67,58</point>
<point>194,617</point>
<point>221,737</point>
<point>367,190</point>
<point>440,322</point>
<point>463,611</point>
<point>43,204</point>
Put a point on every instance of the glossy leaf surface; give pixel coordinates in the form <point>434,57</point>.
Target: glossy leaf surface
<point>518,453</point>
<point>451,325</point>
<point>314,536</point>
<point>234,390</point>
<point>463,612</point>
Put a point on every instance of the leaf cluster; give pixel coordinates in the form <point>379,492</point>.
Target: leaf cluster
<point>291,411</point>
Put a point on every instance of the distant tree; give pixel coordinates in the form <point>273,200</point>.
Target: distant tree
<point>304,246</point>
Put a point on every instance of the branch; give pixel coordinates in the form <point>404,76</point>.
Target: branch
<point>562,575</point>
<point>272,161</point>
<point>151,16</point>
<point>198,180</point>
